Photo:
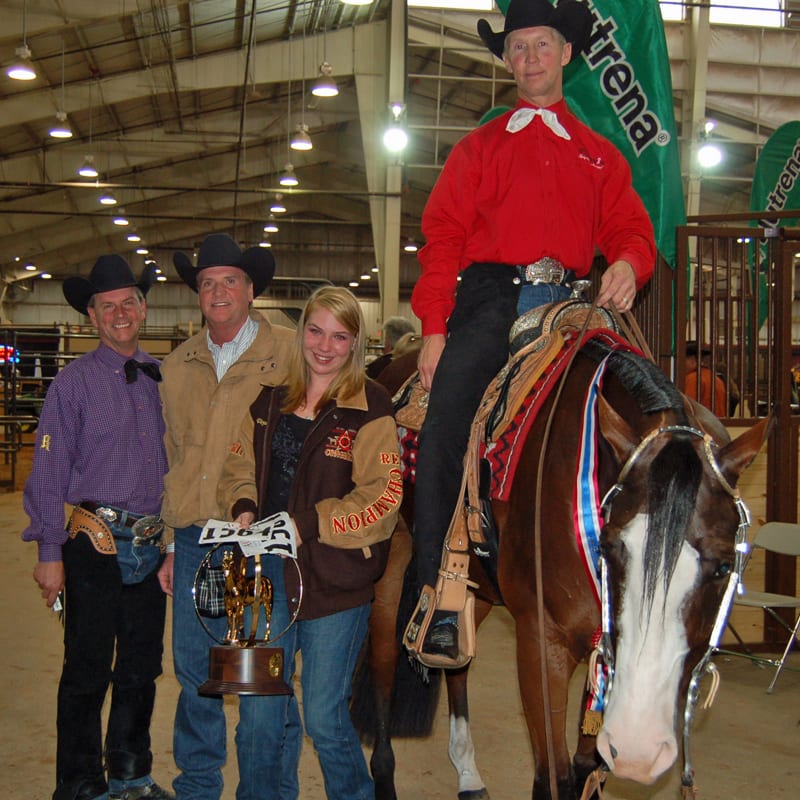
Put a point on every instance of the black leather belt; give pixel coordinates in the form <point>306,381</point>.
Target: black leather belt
<point>145,528</point>
<point>111,514</point>
<point>545,270</point>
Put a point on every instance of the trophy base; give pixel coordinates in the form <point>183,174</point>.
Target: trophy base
<point>245,670</point>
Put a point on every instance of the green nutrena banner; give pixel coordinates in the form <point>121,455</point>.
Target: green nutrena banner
<point>776,186</point>
<point>622,88</point>
<point>776,183</point>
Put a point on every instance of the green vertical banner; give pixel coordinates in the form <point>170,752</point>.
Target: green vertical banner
<point>621,87</point>
<point>776,183</point>
<point>776,187</point>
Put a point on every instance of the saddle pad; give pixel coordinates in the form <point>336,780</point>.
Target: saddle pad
<point>503,452</point>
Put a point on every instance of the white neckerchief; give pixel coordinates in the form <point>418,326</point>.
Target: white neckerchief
<point>522,117</point>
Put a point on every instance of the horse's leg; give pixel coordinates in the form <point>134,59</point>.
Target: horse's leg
<point>560,667</point>
<point>461,748</point>
<point>384,651</point>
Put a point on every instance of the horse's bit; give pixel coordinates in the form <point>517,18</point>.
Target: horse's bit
<point>605,649</point>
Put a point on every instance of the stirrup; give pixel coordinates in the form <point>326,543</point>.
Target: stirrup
<point>418,639</point>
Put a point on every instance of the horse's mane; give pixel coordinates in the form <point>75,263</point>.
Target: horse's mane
<point>642,379</point>
<point>675,472</point>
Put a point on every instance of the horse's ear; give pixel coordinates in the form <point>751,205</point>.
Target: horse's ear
<point>736,456</point>
<point>615,430</point>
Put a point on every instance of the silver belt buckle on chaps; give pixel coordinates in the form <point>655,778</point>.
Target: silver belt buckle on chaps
<point>545,270</point>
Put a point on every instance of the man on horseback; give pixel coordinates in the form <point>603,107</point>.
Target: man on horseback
<point>515,216</point>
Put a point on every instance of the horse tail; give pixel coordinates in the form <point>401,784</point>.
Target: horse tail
<point>415,689</point>
<point>675,476</point>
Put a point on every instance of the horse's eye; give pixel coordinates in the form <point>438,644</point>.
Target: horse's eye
<point>723,570</point>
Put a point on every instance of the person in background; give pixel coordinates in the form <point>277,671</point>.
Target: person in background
<point>393,329</point>
<point>99,448</point>
<point>519,209</point>
<point>700,378</point>
<point>402,364</point>
<point>209,382</point>
<point>319,457</point>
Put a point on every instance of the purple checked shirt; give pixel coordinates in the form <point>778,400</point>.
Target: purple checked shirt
<point>100,439</point>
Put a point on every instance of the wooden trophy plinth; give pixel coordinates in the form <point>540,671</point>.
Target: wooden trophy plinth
<point>256,670</point>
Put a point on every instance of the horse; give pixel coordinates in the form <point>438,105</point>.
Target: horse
<point>671,522</point>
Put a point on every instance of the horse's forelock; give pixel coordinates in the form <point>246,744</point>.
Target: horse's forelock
<point>674,481</point>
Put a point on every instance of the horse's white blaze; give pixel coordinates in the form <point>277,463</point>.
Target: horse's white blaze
<point>462,755</point>
<point>637,740</point>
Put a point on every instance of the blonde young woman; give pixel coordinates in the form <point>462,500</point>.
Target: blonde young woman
<point>320,455</point>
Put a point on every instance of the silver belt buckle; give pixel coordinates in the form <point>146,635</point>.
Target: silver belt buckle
<point>106,514</point>
<point>545,270</point>
<point>146,528</point>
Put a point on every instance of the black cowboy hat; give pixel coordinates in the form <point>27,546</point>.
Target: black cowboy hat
<point>219,250</point>
<point>573,20</point>
<point>108,273</point>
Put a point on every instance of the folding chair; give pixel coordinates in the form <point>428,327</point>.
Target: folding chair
<point>783,538</point>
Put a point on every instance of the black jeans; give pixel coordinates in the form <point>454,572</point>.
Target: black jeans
<point>477,347</point>
<point>101,611</point>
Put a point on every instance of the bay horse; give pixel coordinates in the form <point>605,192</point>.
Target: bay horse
<point>672,522</point>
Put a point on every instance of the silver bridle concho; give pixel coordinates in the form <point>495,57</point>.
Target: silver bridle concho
<point>605,648</point>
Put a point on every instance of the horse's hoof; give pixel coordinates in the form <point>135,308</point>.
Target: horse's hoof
<point>474,794</point>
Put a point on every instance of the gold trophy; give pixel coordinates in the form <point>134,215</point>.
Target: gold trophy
<point>242,663</point>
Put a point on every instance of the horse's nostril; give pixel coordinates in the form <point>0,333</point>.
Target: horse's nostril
<point>613,750</point>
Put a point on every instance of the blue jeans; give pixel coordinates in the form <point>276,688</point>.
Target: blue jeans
<point>113,633</point>
<point>487,304</point>
<point>329,647</point>
<point>268,735</point>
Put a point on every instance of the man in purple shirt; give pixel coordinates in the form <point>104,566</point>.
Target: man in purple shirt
<point>99,448</point>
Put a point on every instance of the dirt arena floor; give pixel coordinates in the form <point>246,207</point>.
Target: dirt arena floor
<point>747,747</point>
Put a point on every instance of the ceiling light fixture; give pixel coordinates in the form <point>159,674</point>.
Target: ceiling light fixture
<point>410,246</point>
<point>161,278</point>
<point>356,2</point>
<point>107,198</point>
<point>265,243</point>
<point>46,276</point>
<point>365,276</point>
<point>271,226</point>
<point>288,178</point>
<point>61,129</point>
<point>134,237</point>
<point>353,284</point>
<point>300,139</point>
<point>325,85</point>
<point>121,220</point>
<point>395,138</point>
<point>277,206</point>
<point>142,251</point>
<point>88,169</point>
<point>30,267</point>
<point>21,69</point>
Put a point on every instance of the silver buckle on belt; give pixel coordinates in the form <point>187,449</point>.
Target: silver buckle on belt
<point>147,529</point>
<point>545,270</point>
<point>106,514</point>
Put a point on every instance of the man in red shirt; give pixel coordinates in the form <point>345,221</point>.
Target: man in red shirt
<point>521,205</point>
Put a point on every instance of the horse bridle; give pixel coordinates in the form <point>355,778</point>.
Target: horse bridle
<point>605,650</point>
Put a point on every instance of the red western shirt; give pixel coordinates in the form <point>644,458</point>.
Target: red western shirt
<point>513,198</point>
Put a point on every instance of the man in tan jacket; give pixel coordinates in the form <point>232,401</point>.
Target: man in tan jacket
<point>209,383</point>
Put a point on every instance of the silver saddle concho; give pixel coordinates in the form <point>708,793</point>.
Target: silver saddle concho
<point>568,313</point>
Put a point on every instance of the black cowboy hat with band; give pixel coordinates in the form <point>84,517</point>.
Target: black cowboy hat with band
<point>109,272</point>
<point>219,250</point>
<point>573,20</point>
